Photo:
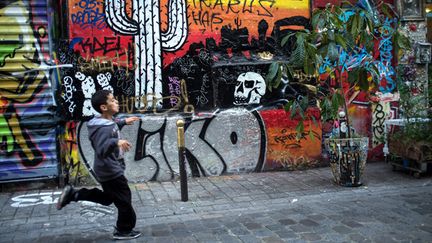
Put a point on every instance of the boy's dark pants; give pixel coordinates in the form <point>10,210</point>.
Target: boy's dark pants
<point>114,191</point>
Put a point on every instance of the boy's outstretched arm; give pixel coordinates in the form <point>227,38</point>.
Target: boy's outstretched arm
<point>131,120</point>
<point>126,121</point>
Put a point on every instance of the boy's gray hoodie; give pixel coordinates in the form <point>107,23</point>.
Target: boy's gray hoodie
<point>104,137</point>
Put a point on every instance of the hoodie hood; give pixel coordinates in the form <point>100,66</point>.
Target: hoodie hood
<point>98,122</point>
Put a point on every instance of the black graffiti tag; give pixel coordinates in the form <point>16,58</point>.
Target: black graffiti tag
<point>378,123</point>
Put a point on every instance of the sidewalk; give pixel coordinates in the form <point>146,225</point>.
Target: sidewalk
<point>292,206</point>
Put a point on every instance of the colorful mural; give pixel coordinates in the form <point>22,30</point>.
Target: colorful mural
<point>285,150</point>
<point>206,58</point>
<point>71,166</point>
<point>203,60</point>
<point>27,123</point>
<point>145,68</point>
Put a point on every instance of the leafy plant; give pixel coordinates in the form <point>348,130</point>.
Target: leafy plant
<point>415,110</point>
<point>341,40</point>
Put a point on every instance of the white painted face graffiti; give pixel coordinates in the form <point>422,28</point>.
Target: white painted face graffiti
<point>103,80</point>
<point>88,87</point>
<point>250,87</point>
<point>80,76</point>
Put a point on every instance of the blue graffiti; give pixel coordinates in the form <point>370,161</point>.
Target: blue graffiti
<point>359,56</point>
<point>90,15</point>
<point>347,61</point>
<point>385,68</point>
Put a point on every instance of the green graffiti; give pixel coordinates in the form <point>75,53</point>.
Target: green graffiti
<point>5,134</point>
<point>7,49</point>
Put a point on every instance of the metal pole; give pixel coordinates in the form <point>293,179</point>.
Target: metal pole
<point>181,152</point>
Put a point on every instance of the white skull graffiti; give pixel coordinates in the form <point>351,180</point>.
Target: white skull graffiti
<point>80,76</point>
<point>250,87</point>
<point>103,80</point>
<point>88,87</point>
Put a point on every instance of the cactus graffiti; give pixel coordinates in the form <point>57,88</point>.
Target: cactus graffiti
<point>149,40</point>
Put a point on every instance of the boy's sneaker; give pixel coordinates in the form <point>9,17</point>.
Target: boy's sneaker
<point>117,235</point>
<point>65,197</point>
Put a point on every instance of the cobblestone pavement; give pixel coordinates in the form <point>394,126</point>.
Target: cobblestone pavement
<point>294,206</point>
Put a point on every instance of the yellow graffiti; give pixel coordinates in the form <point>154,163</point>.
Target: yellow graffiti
<point>303,77</point>
<point>19,85</point>
<point>69,152</point>
<point>21,76</point>
<point>286,159</point>
<point>127,103</point>
<point>102,64</point>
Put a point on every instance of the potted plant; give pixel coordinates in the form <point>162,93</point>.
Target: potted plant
<point>340,45</point>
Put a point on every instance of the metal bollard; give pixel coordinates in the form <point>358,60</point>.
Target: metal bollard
<point>181,151</point>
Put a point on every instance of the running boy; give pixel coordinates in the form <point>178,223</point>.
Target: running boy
<point>109,166</point>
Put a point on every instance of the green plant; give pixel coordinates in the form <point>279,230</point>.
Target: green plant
<point>337,33</point>
<point>415,110</point>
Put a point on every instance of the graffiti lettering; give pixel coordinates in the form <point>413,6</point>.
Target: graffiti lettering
<point>258,7</point>
<point>210,148</point>
<point>202,98</point>
<point>69,89</point>
<point>102,64</point>
<point>205,19</point>
<point>174,89</point>
<point>378,123</point>
<point>126,104</point>
<point>45,198</point>
<point>108,44</point>
<point>210,13</point>
<point>285,159</point>
<point>90,15</point>
<point>290,140</point>
<point>385,68</point>
<point>303,77</point>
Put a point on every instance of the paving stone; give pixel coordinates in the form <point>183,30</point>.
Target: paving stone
<point>205,237</point>
<point>358,238</point>
<point>189,239</point>
<point>262,232</point>
<point>310,236</point>
<point>252,225</point>
<point>342,229</point>
<point>160,232</point>
<point>383,238</point>
<point>163,239</point>
<point>391,208</point>
<point>351,223</point>
<point>275,227</point>
<point>287,222</point>
<point>298,228</point>
<point>228,239</point>
<point>272,239</point>
<point>286,234</point>
<point>309,223</point>
<point>239,231</point>
<point>249,239</point>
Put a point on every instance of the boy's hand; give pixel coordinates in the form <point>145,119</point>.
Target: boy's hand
<point>131,120</point>
<point>124,145</point>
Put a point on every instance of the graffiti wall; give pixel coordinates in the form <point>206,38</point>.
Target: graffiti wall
<point>287,150</point>
<point>206,60</point>
<point>27,124</point>
<point>111,46</point>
